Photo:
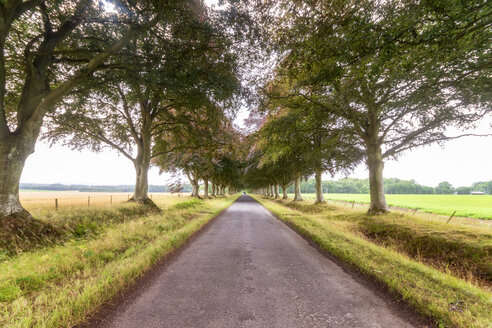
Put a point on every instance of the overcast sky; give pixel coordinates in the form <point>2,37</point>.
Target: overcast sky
<point>461,162</point>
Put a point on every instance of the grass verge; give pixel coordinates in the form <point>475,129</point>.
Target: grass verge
<point>60,286</point>
<point>447,299</point>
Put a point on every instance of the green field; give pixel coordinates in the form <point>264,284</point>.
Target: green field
<point>473,206</point>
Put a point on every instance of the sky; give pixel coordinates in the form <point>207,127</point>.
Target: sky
<point>461,162</point>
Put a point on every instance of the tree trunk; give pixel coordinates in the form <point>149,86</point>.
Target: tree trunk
<point>205,188</point>
<point>140,193</point>
<point>319,188</point>
<point>213,189</point>
<point>142,161</point>
<point>276,191</point>
<point>284,190</point>
<point>375,165</point>
<point>12,159</point>
<point>194,184</point>
<point>297,189</point>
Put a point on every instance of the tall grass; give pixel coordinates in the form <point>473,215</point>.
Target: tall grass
<point>440,295</point>
<point>60,286</point>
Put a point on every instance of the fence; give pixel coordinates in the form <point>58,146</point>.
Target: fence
<point>58,200</point>
<point>425,215</point>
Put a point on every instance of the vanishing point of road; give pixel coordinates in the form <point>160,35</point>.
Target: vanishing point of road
<point>248,269</point>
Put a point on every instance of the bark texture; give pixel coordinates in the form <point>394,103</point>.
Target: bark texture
<point>319,188</point>
<point>194,184</point>
<point>297,189</point>
<point>284,190</point>
<point>12,159</point>
<point>140,193</point>
<point>205,188</point>
<point>375,165</point>
<point>276,191</point>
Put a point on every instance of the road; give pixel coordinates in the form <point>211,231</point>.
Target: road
<point>248,269</point>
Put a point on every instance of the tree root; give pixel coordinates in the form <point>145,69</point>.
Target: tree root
<point>377,211</point>
<point>146,202</point>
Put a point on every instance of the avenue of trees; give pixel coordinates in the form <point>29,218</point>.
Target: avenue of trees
<point>126,75</point>
<point>384,76</point>
<point>341,83</point>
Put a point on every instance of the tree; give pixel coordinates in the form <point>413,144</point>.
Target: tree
<point>47,49</point>
<point>463,190</point>
<point>296,126</point>
<point>181,66</point>
<point>396,73</point>
<point>193,145</point>
<point>444,188</point>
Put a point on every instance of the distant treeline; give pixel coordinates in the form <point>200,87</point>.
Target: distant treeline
<point>87,188</point>
<point>391,186</point>
<point>342,186</point>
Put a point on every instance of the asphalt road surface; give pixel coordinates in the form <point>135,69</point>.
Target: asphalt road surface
<point>248,269</point>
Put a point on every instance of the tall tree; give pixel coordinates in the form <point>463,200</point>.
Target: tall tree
<point>398,73</point>
<point>172,70</point>
<point>48,48</point>
<point>192,145</point>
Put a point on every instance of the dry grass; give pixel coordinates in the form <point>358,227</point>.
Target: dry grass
<point>39,201</point>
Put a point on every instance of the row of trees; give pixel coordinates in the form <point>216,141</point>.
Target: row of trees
<point>366,81</point>
<point>391,186</point>
<point>154,80</point>
<point>354,81</point>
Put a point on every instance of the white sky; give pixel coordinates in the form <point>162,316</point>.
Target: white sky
<point>461,162</point>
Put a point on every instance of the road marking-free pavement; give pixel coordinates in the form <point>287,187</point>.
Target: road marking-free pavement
<point>248,269</point>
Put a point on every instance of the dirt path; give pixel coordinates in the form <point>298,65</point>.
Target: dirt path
<point>250,270</point>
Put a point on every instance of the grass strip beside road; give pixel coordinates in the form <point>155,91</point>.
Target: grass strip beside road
<point>62,285</point>
<point>448,300</point>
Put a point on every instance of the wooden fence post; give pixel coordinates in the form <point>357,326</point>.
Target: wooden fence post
<point>56,204</point>
<point>451,217</point>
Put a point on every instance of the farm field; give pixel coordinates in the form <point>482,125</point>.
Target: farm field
<point>473,206</point>
<point>45,200</point>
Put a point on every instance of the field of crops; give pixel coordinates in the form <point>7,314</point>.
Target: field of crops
<point>473,206</point>
<point>47,200</point>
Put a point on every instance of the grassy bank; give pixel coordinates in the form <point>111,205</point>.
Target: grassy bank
<point>381,247</point>
<point>60,285</point>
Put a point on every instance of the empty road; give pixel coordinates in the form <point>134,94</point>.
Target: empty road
<point>248,269</point>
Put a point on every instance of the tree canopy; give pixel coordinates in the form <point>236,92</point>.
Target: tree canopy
<point>329,85</point>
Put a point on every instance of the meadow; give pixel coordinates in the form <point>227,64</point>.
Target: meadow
<point>472,206</point>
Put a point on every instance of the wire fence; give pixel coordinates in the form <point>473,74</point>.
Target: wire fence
<point>452,217</point>
<point>60,200</point>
